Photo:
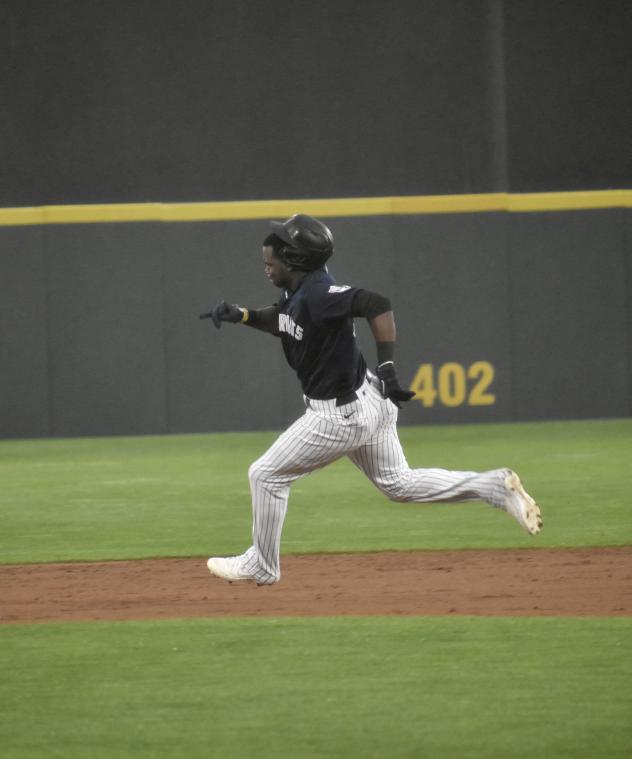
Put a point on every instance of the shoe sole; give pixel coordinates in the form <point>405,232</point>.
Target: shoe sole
<point>530,517</point>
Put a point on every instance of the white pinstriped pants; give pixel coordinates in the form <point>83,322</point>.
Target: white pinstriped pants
<point>365,431</point>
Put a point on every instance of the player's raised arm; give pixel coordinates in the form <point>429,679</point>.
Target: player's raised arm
<point>378,312</point>
<point>265,319</point>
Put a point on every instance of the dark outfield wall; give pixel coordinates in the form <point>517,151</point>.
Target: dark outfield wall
<point>500,317</point>
<point>154,100</point>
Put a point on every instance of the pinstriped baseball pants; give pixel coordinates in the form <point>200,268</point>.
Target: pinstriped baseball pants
<point>365,431</point>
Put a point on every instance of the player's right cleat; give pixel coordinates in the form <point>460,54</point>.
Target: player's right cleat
<point>520,505</point>
<point>228,568</point>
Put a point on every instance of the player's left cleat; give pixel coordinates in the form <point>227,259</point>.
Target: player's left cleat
<point>228,568</point>
<point>520,505</point>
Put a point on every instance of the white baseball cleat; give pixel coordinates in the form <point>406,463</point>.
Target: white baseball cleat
<point>520,505</point>
<point>228,568</point>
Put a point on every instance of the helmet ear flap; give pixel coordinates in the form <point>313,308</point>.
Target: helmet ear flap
<point>294,259</point>
<point>300,260</point>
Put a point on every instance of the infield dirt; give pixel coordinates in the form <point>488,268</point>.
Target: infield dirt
<point>535,582</point>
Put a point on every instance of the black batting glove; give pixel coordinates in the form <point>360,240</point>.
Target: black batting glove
<point>391,388</point>
<point>224,312</point>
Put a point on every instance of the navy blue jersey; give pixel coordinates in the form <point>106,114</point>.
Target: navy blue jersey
<point>316,328</point>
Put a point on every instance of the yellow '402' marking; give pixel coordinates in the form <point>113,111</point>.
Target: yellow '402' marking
<point>454,385</point>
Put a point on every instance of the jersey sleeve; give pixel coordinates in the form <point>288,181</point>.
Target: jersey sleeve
<point>331,302</point>
<point>370,304</point>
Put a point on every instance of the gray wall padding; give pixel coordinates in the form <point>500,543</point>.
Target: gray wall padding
<point>237,100</point>
<point>99,328</point>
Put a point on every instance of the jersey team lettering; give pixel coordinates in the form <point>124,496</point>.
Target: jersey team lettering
<point>290,327</point>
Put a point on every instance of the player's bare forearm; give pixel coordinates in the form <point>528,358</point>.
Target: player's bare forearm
<point>376,309</point>
<point>383,327</point>
<point>385,334</point>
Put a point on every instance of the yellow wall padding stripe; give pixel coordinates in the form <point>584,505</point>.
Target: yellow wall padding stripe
<point>267,209</point>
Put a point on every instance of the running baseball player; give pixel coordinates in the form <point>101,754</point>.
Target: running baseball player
<point>349,410</point>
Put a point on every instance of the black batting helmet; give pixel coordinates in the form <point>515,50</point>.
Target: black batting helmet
<point>308,242</point>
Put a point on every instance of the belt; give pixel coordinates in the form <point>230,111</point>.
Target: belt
<point>348,398</point>
<point>342,400</point>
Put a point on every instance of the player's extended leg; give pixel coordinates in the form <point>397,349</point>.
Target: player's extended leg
<point>382,460</point>
<point>310,443</point>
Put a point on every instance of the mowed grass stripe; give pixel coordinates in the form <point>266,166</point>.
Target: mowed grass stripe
<point>370,687</point>
<point>118,498</point>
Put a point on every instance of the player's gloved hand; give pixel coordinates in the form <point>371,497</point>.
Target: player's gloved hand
<point>224,312</point>
<point>391,388</point>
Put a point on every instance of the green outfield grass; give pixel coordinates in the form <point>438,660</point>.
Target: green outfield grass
<point>340,687</point>
<point>369,687</point>
<point>189,495</point>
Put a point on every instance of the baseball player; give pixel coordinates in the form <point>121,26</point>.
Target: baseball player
<point>349,410</point>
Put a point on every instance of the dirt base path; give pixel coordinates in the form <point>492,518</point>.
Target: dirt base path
<point>537,582</point>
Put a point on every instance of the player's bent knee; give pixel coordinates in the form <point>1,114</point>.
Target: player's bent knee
<point>256,472</point>
<point>261,475</point>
